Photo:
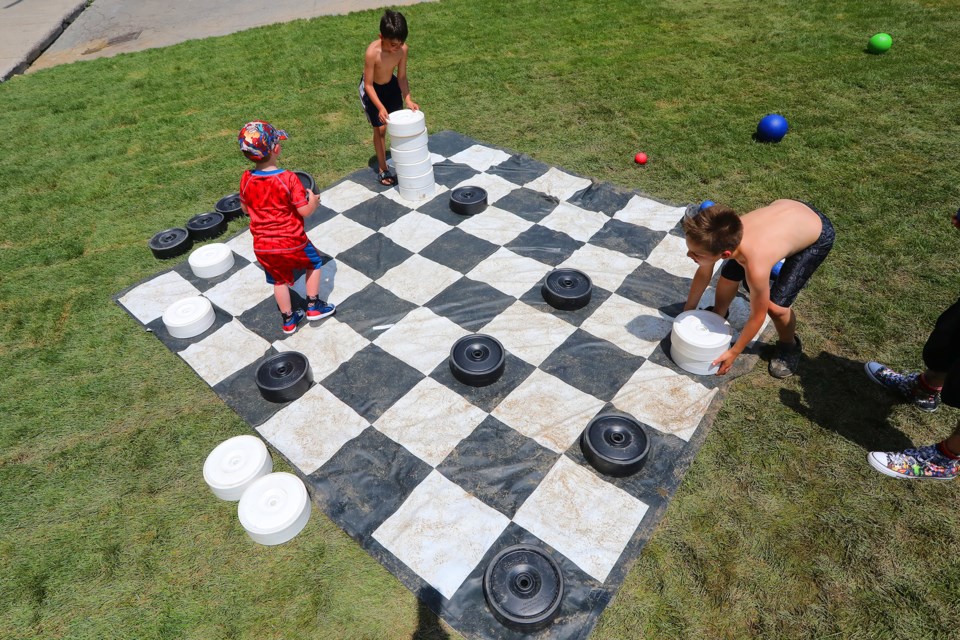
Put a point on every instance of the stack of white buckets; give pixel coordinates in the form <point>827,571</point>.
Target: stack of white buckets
<point>274,507</point>
<point>410,155</point>
<point>698,338</point>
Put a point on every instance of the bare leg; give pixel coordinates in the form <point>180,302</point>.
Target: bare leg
<point>785,320</point>
<point>726,290</point>
<point>953,442</point>
<point>380,144</point>
<point>935,378</point>
<point>313,283</point>
<point>282,293</point>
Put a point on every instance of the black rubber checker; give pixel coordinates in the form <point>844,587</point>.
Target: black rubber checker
<point>567,289</point>
<point>307,181</point>
<point>229,206</point>
<point>477,360</point>
<point>205,226</point>
<point>615,444</point>
<point>523,587</point>
<point>170,243</point>
<point>284,377</point>
<point>468,200</point>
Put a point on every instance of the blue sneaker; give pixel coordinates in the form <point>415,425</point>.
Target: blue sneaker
<point>906,385</point>
<point>925,463</point>
<point>290,322</point>
<point>317,309</point>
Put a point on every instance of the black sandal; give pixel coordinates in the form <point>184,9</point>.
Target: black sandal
<point>386,179</point>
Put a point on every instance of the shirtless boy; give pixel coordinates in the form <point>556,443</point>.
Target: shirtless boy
<point>382,92</point>
<point>751,245</point>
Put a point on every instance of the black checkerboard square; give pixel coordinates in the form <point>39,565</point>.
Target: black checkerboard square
<point>544,245</point>
<point>374,256</point>
<point>488,397</point>
<point>528,204</point>
<point>602,197</point>
<point>241,393</point>
<point>450,174</point>
<point>628,239</point>
<point>592,365</point>
<point>470,304</point>
<point>366,481</point>
<point>576,317</point>
<point>519,169</point>
<point>459,250</point>
<point>377,212</point>
<point>372,310</point>
<point>371,381</point>
<point>656,288</point>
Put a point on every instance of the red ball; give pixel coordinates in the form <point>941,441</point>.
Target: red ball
<point>640,158</point>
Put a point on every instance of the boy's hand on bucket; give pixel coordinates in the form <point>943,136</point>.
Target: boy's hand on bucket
<point>725,361</point>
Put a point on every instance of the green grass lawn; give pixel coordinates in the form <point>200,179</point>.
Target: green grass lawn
<point>780,529</point>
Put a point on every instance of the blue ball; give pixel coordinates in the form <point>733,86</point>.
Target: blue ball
<point>706,203</point>
<point>772,128</point>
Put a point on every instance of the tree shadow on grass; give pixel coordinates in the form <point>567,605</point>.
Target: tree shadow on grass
<point>428,624</point>
<point>837,395</point>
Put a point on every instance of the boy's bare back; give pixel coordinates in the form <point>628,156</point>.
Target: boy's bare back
<point>382,57</point>
<point>775,232</point>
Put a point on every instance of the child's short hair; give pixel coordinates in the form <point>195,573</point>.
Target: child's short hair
<point>716,228</point>
<point>393,26</point>
<point>258,138</point>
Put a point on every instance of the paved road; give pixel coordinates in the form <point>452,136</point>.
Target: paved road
<point>109,27</point>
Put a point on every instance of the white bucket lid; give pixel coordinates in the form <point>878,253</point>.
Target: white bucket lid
<point>189,317</point>
<point>275,508</point>
<point>702,329</point>
<point>211,260</point>
<point>405,122</point>
<point>234,464</point>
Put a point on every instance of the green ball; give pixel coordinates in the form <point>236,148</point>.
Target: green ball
<point>880,43</point>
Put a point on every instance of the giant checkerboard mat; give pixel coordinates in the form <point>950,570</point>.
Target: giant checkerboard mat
<point>433,477</point>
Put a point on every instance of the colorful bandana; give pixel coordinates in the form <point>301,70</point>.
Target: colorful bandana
<point>258,138</point>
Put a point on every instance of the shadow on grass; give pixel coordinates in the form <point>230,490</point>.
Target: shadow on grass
<point>837,395</point>
<point>428,624</point>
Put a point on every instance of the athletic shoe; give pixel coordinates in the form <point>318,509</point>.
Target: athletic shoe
<point>290,322</point>
<point>925,463</point>
<point>784,364</point>
<point>317,308</point>
<point>906,385</point>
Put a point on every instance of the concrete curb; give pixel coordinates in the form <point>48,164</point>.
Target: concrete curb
<point>19,63</point>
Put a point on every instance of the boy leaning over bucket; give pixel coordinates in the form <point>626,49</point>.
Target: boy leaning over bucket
<point>751,245</point>
<point>382,92</point>
<point>277,203</point>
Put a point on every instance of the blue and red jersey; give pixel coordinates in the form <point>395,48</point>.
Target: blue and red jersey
<point>272,199</point>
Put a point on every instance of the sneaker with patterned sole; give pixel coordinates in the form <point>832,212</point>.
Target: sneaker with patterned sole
<point>787,359</point>
<point>906,385</point>
<point>317,308</point>
<point>925,463</point>
<point>290,322</point>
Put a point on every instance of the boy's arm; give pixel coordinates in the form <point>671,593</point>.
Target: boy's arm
<point>402,81</point>
<point>700,281</point>
<point>313,200</point>
<point>369,65</point>
<point>759,304</point>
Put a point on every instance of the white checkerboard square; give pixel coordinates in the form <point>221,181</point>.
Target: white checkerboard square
<point>430,421</point>
<point>527,333</point>
<point>224,352</point>
<point>495,225</point>
<point>243,290</point>
<point>588,520</point>
<point>559,184</point>
<point>607,269</point>
<point>650,214</point>
<point>579,224</point>
<point>495,186</point>
<point>669,402</point>
<point>345,195</point>
<point>312,429</point>
<point>339,281</point>
<point>441,532</point>
<point>671,256</point>
<point>633,327</point>
<point>480,157</point>
<point>418,279</point>
<point>548,410</point>
<point>148,301</point>
<point>510,273</point>
<point>414,231</point>
<point>326,346</point>
<point>242,245</point>
<point>422,339</point>
<point>338,234</point>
